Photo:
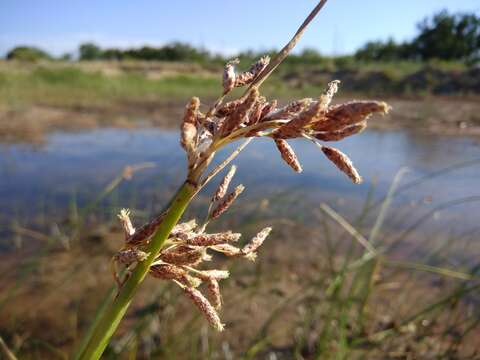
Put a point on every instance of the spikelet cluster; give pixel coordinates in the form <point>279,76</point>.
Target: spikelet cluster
<point>232,80</point>
<point>253,116</point>
<point>188,247</point>
<point>202,135</point>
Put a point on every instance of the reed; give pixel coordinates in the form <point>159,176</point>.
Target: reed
<point>167,250</point>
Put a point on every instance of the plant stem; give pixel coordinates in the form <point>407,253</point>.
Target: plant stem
<point>110,319</point>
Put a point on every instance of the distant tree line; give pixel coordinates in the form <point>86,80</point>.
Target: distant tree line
<point>171,52</point>
<point>444,36</point>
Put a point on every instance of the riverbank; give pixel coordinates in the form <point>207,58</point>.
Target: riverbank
<point>36,99</point>
<point>30,124</point>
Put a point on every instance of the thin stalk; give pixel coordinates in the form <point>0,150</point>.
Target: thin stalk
<point>6,351</point>
<point>110,319</point>
<point>282,54</point>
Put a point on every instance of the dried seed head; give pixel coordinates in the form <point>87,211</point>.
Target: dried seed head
<point>289,110</point>
<point>182,255</point>
<point>205,307</point>
<point>330,91</point>
<point>172,272</point>
<point>228,250</point>
<point>247,77</point>
<point>130,255</point>
<point>341,134</point>
<point>188,137</point>
<point>228,108</point>
<point>239,116</point>
<point>223,187</point>
<point>226,202</point>
<point>229,76</point>
<point>167,272</point>
<point>296,125</point>
<point>124,217</point>
<point>214,294</point>
<point>267,109</point>
<point>212,239</point>
<point>260,65</point>
<point>342,162</point>
<point>288,155</point>
<point>256,112</point>
<point>243,78</point>
<point>191,111</point>
<point>183,228</point>
<point>142,235</point>
<point>350,113</point>
<point>314,113</point>
<point>257,241</point>
<point>213,274</point>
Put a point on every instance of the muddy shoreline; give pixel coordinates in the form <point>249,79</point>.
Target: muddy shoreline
<point>30,124</point>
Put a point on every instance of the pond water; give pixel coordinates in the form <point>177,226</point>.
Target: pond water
<point>38,182</point>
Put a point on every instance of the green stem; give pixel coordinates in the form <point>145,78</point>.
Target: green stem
<point>112,315</point>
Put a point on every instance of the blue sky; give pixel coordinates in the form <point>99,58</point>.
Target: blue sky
<point>226,26</point>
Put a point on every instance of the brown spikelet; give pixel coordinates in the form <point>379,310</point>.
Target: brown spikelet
<point>228,108</point>
<point>182,255</point>
<point>260,65</point>
<point>228,250</point>
<point>142,234</point>
<point>130,255</point>
<point>288,155</point>
<point>350,113</point>
<point>214,293</point>
<point>257,241</point>
<point>240,113</point>
<point>289,110</point>
<point>327,96</point>
<point>267,109</point>
<point>128,228</point>
<point>229,76</point>
<point>226,202</point>
<point>247,77</point>
<point>213,239</point>
<point>341,134</point>
<point>189,128</point>
<point>256,112</point>
<point>205,307</point>
<point>212,274</point>
<point>295,126</point>
<point>183,228</point>
<point>191,110</point>
<point>167,272</point>
<point>342,162</point>
<point>188,137</point>
<point>172,272</point>
<point>243,79</point>
<point>223,187</point>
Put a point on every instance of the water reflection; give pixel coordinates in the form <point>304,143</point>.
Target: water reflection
<point>44,180</point>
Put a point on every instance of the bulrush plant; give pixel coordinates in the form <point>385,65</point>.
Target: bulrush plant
<point>175,252</point>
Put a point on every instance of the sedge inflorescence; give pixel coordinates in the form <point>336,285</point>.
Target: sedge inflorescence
<point>202,135</point>
<point>253,116</point>
<point>187,247</point>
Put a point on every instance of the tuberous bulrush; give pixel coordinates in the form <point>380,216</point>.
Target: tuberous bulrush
<point>189,246</point>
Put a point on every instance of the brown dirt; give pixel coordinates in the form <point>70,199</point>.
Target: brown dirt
<point>55,302</point>
<point>439,115</point>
